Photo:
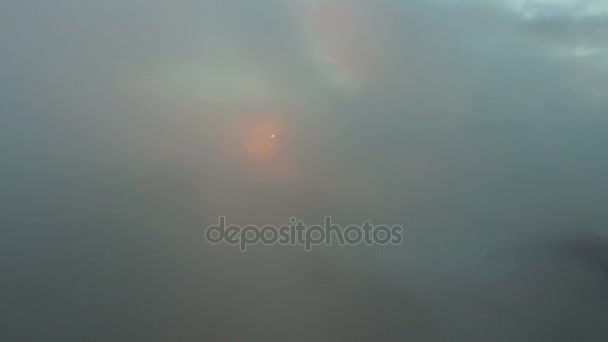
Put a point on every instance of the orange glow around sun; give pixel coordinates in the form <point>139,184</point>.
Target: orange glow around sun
<point>261,145</point>
<point>254,138</point>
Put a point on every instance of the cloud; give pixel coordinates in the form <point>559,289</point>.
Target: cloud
<point>127,127</point>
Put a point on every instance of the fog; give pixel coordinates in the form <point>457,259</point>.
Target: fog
<point>128,127</point>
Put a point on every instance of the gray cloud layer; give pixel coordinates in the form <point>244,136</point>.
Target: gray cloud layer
<point>126,127</point>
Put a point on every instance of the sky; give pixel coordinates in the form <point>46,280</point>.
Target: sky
<point>127,127</point>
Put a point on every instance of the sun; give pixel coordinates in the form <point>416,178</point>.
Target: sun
<point>273,136</point>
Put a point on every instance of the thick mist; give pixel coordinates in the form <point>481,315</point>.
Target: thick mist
<point>127,127</point>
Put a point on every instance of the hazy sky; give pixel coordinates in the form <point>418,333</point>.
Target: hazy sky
<point>127,127</point>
